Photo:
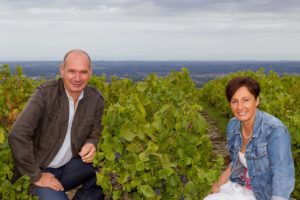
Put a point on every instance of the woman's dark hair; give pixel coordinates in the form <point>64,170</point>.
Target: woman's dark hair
<point>237,82</point>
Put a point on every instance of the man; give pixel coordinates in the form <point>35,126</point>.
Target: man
<point>54,139</point>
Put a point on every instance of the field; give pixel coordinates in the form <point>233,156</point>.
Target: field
<point>154,143</point>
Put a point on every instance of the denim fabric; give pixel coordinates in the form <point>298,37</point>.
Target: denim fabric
<point>49,194</point>
<point>71,175</point>
<point>268,154</point>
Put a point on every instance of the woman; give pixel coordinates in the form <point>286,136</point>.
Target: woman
<point>261,164</point>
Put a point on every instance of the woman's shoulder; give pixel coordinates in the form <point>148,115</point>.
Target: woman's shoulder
<point>271,120</point>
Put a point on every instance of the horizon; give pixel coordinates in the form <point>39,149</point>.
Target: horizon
<point>242,60</point>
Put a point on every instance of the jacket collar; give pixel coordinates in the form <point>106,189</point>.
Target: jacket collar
<point>257,122</point>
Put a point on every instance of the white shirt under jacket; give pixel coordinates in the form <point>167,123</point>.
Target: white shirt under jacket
<point>64,155</point>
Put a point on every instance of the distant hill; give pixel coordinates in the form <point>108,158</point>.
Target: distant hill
<point>142,68</point>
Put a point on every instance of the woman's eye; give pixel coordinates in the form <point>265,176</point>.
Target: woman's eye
<point>233,102</point>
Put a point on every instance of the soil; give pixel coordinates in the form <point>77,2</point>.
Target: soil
<point>218,138</point>
<point>71,193</point>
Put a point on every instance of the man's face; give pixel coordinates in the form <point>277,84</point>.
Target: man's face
<point>76,72</point>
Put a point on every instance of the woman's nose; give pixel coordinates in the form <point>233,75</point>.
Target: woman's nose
<point>240,105</point>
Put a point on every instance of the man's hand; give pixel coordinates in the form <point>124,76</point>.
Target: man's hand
<point>88,153</point>
<point>49,180</point>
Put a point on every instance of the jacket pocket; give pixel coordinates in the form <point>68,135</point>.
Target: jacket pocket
<point>260,158</point>
<point>260,151</point>
<point>48,131</point>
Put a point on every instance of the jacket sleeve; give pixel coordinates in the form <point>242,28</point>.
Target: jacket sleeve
<point>21,136</point>
<point>282,164</point>
<point>95,133</point>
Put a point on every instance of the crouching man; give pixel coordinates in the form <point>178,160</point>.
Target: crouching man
<point>54,139</point>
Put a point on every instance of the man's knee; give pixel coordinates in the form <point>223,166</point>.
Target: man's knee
<point>76,164</point>
<point>77,173</point>
<point>49,194</point>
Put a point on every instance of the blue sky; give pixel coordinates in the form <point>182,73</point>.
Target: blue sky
<point>151,30</point>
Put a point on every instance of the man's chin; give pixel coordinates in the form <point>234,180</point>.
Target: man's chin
<point>76,90</point>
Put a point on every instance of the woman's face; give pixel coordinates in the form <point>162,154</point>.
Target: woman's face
<point>243,105</point>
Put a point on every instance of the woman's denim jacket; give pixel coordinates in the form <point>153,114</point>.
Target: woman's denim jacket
<point>268,154</point>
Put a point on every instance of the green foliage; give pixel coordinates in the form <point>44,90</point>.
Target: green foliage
<point>15,89</point>
<point>154,143</point>
<point>280,96</point>
<point>8,190</point>
<point>153,146</point>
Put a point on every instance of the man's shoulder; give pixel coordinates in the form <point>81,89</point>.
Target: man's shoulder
<point>94,92</point>
<point>49,84</point>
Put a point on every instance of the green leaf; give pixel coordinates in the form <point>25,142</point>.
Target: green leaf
<point>103,181</point>
<point>116,194</point>
<point>164,173</point>
<point>141,86</point>
<point>126,133</point>
<point>123,177</point>
<point>147,191</point>
<point>139,166</point>
<point>152,147</point>
<point>2,135</point>
<point>144,156</point>
<point>158,125</point>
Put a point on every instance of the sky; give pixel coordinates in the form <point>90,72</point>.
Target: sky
<point>150,29</point>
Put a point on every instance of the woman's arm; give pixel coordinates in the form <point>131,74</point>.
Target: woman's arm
<point>282,165</point>
<point>222,180</point>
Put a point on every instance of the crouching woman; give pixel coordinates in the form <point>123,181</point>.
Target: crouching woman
<point>259,144</point>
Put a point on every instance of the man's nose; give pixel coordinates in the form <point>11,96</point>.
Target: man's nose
<point>77,76</point>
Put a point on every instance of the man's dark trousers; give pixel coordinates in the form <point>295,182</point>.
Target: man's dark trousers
<point>72,175</point>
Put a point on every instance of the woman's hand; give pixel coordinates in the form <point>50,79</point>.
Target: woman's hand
<point>215,188</point>
<point>224,178</point>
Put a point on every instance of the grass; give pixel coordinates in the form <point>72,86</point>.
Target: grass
<point>215,115</point>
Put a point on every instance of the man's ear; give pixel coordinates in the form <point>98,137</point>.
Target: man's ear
<point>61,70</point>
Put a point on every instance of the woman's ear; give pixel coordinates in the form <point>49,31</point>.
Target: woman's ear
<point>257,101</point>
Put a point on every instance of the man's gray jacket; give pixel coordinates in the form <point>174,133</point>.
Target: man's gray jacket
<point>39,131</point>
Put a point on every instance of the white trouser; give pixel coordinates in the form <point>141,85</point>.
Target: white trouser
<point>232,191</point>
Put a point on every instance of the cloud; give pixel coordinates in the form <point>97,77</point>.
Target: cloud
<point>150,28</point>
<point>165,5</point>
<point>233,5</point>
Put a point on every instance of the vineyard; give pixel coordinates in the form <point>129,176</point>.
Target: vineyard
<point>154,143</point>
<point>280,96</point>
